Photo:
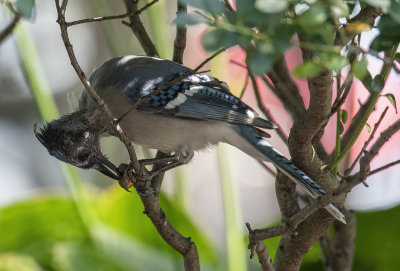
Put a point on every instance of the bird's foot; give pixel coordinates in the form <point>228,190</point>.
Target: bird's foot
<point>128,178</point>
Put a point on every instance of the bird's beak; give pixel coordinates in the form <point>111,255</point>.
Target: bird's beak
<point>107,168</point>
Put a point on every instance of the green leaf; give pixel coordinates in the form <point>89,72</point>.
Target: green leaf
<point>340,128</point>
<point>334,61</point>
<point>394,10</point>
<point>392,100</point>
<point>344,116</point>
<point>218,38</point>
<point>271,6</point>
<point>313,17</point>
<point>360,68</point>
<point>338,8</point>
<point>26,8</point>
<point>367,81</point>
<point>397,57</point>
<point>378,83</point>
<point>308,69</point>
<point>183,19</point>
<point>259,62</point>
<point>382,4</point>
<point>368,127</point>
<point>389,34</point>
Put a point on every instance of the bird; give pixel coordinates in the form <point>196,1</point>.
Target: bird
<point>191,114</point>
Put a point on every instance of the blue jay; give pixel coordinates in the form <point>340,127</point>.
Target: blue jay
<point>192,114</point>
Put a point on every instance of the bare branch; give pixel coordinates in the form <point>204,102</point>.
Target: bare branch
<point>345,90</point>
<point>347,172</point>
<point>264,109</point>
<point>180,38</point>
<point>112,17</point>
<point>344,243</point>
<point>262,252</point>
<point>138,29</point>
<point>267,168</point>
<point>121,135</point>
<point>286,89</point>
<point>185,246</point>
<point>384,167</point>
<point>147,193</point>
<point>10,27</point>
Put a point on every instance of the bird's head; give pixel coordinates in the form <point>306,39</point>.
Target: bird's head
<point>71,140</point>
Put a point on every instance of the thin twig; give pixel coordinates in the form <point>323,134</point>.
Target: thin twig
<point>10,27</point>
<point>112,17</point>
<point>376,54</point>
<point>345,90</point>
<point>347,172</point>
<point>243,89</point>
<point>167,85</point>
<point>384,167</point>
<point>121,135</point>
<point>264,109</point>
<point>267,168</point>
<point>262,252</point>
<point>180,37</point>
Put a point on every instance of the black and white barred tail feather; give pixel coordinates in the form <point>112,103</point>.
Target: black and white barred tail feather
<point>268,153</point>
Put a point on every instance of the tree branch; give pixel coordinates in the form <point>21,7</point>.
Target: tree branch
<point>265,111</point>
<point>180,37</point>
<point>10,27</point>
<point>286,89</point>
<point>185,246</point>
<point>138,29</point>
<point>262,252</point>
<point>112,17</point>
<point>147,192</point>
<point>376,126</point>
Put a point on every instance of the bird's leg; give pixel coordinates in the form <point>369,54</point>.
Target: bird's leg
<point>173,161</point>
<point>154,161</point>
<point>129,178</point>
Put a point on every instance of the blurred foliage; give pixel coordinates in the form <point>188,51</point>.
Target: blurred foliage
<point>47,232</point>
<point>265,30</point>
<point>25,8</point>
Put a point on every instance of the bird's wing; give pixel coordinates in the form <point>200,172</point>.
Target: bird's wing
<point>203,97</point>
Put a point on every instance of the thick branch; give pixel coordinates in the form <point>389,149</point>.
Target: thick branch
<point>138,29</point>
<point>286,89</point>
<point>153,210</point>
<point>262,252</point>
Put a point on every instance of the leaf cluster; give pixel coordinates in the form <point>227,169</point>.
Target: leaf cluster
<point>265,29</point>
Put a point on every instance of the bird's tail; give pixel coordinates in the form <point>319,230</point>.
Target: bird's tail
<point>253,144</point>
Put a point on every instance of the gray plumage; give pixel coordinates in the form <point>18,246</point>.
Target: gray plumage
<point>191,115</point>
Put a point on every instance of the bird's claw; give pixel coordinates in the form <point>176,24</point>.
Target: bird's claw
<point>128,178</point>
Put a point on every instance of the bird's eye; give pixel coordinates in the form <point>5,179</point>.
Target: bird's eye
<point>83,156</point>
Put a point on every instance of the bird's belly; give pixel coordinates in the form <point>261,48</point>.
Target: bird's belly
<point>172,134</point>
